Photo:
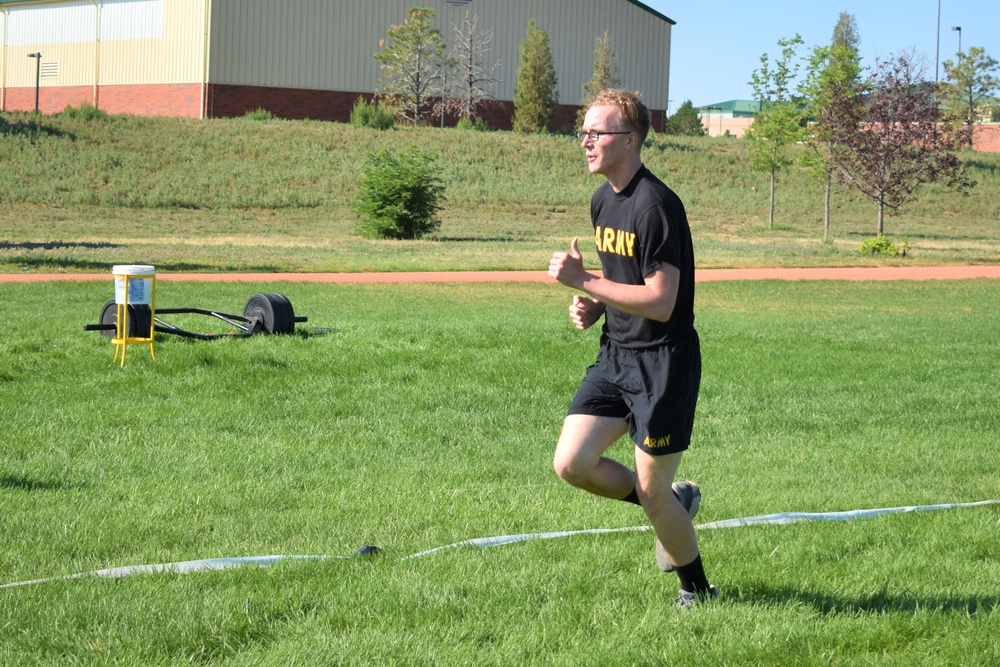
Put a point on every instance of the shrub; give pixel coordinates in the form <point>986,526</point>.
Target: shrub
<point>399,196</point>
<point>259,113</point>
<point>365,114</point>
<point>883,245</point>
<point>479,125</point>
<point>85,111</point>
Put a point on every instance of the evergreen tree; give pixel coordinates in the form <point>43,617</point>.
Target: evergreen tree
<point>605,74</point>
<point>845,33</point>
<point>535,97</point>
<point>685,122</point>
<point>414,65</point>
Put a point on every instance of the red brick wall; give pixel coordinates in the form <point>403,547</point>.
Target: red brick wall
<point>50,99</point>
<point>500,116</point>
<point>987,138</point>
<point>142,100</point>
<point>230,101</point>
<point>169,99</point>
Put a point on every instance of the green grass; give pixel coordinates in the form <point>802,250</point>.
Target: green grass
<point>414,416</point>
<point>248,195</point>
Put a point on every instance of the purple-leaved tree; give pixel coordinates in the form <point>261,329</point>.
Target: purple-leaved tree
<point>892,143</point>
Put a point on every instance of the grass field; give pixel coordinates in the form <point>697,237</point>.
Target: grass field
<point>415,416</point>
<point>243,195</point>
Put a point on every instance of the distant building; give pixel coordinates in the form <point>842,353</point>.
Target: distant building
<point>734,117</point>
<point>295,58</point>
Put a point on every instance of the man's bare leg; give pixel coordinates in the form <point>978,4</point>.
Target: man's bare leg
<point>672,523</point>
<point>580,460</point>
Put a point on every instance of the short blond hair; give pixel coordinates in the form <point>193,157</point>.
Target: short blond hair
<point>633,111</point>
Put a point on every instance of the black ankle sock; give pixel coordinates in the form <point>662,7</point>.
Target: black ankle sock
<point>633,498</point>
<point>692,576</point>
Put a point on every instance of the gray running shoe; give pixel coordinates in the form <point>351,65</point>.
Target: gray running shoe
<point>686,600</point>
<point>690,497</point>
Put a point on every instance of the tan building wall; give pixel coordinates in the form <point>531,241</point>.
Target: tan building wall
<point>99,44</point>
<point>717,127</point>
<point>170,51</point>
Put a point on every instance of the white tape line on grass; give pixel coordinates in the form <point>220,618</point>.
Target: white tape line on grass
<point>795,517</point>
<point>482,542</point>
<point>183,567</point>
<point>773,519</point>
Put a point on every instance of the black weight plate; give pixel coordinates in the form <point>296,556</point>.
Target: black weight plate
<point>284,315</point>
<point>262,308</point>
<point>139,318</point>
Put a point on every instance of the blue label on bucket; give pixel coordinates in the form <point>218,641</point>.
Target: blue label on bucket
<point>140,290</point>
<point>137,291</point>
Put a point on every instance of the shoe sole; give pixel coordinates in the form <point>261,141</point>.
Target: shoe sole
<point>687,601</point>
<point>662,559</point>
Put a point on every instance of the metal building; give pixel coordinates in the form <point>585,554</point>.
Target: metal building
<point>295,58</point>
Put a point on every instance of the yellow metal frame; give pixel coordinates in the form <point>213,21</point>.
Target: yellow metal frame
<point>121,339</point>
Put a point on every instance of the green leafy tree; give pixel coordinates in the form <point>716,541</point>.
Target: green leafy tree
<point>970,81</point>
<point>605,74</point>
<point>833,71</point>
<point>414,66</point>
<point>535,98</point>
<point>685,122</point>
<point>778,124</point>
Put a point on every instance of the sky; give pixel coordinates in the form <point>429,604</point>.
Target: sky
<point>716,45</point>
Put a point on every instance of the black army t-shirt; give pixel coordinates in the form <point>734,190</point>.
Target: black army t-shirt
<point>635,231</point>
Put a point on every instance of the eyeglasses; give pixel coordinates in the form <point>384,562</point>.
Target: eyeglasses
<point>595,135</point>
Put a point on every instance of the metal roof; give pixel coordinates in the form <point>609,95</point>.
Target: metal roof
<point>654,12</point>
<point>734,107</point>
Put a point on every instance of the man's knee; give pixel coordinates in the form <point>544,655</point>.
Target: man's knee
<point>570,469</point>
<point>581,445</point>
<point>655,495</point>
<point>654,478</point>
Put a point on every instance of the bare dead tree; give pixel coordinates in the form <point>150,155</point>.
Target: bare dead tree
<point>477,80</point>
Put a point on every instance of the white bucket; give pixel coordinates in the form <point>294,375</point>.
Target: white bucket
<point>140,283</point>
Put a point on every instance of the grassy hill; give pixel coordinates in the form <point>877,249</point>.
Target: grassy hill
<point>82,194</point>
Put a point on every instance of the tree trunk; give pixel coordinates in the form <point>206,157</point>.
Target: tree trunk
<point>826,206</point>
<point>881,215</point>
<point>770,220</point>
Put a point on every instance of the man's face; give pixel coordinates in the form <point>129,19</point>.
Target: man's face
<point>611,150</point>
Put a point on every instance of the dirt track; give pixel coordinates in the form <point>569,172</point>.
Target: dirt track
<point>702,275</point>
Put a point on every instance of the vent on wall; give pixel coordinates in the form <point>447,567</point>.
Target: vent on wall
<point>49,70</point>
<point>457,3</point>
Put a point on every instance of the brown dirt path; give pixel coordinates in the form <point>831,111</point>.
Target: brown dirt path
<point>954,272</point>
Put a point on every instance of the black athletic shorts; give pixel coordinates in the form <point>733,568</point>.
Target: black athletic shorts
<point>655,390</point>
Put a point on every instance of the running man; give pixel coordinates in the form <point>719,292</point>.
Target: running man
<point>648,370</point>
